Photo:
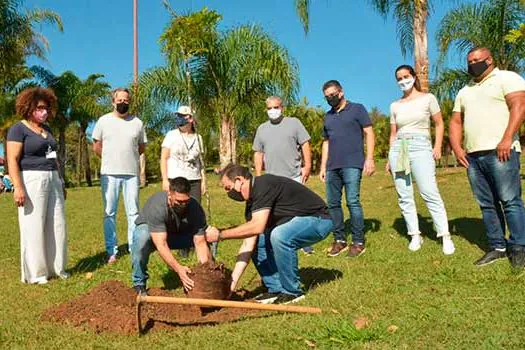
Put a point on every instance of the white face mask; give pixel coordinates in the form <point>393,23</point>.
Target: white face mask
<point>274,113</point>
<point>406,84</point>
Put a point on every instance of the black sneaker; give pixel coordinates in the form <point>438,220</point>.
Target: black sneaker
<point>284,298</point>
<point>266,298</point>
<point>491,257</point>
<point>517,257</point>
<point>141,290</point>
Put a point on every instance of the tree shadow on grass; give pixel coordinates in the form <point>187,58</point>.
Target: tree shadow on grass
<point>96,261</point>
<point>171,280</point>
<point>371,225</point>
<point>472,230</point>
<point>311,277</point>
<point>425,226</point>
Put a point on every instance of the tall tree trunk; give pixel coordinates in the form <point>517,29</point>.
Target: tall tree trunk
<point>228,141</point>
<point>421,44</point>
<point>79,157</point>
<point>85,156</point>
<point>62,152</point>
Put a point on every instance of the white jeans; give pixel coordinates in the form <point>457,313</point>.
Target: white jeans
<point>43,231</point>
<point>423,170</point>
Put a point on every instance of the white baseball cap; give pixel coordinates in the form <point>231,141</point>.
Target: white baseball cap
<point>185,110</point>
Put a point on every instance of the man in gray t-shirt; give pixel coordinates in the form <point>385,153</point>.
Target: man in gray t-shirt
<point>278,145</point>
<point>171,220</point>
<point>279,142</point>
<point>119,139</point>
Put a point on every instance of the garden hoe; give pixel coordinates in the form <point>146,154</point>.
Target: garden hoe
<point>141,299</point>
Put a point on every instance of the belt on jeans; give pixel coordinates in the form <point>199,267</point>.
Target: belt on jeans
<point>481,153</point>
<point>412,137</point>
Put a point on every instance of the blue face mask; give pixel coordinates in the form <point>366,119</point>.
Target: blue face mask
<point>180,121</point>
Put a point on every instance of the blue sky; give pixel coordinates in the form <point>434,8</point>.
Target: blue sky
<point>348,41</point>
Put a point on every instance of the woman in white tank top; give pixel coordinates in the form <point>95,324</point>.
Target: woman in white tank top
<point>412,156</point>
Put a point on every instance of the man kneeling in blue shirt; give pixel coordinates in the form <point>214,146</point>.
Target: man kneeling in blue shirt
<point>290,215</point>
<point>169,220</point>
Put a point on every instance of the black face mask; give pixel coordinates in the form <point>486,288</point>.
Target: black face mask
<point>235,195</point>
<point>122,107</point>
<point>333,101</point>
<point>478,68</point>
<point>180,209</point>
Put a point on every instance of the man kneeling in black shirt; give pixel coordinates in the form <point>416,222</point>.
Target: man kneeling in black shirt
<point>171,220</point>
<point>282,216</point>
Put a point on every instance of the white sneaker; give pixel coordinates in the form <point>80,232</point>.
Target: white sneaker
<point>64,275</point>
<point>415,243</point>
<point>40,280</point>
<point>448,246</point>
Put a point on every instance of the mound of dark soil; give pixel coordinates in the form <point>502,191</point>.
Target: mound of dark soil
<point>111,307</point>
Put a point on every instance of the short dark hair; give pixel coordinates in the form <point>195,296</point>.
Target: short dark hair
<point>231,171</point>
<point>117,90</point>
<point>332,83</point>
<point>479,48</point>
<point>180,184</point>
<point>412,72</point>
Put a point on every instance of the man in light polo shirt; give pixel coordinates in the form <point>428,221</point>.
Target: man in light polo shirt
<point>119,138</point>
<point>279,143</point>
<point>346,128</point>
<point>490,111</point>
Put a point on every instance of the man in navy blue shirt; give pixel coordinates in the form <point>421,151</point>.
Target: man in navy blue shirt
<point>346,127</point>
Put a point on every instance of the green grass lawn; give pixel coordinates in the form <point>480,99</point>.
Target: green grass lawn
<point>421,300</point>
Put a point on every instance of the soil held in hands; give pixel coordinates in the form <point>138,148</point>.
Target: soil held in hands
<point>212,281</point>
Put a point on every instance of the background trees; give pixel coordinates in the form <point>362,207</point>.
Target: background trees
<point>223,72</point>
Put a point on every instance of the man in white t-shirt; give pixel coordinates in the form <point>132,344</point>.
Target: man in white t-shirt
<point>490,111</point>
<point>120,139</point>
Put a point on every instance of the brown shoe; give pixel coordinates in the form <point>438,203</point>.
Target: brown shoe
<point>356,250</point>
<point>337,248</point>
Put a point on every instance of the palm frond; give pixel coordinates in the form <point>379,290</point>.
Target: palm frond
<point>448,83</point>
<point>302,8</point>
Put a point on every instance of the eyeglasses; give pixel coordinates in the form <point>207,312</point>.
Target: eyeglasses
<point>332,95</point>
<point>42,108</point>
<point>270,108</point>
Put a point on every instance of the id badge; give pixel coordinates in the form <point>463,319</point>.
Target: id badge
<point>50,154</point>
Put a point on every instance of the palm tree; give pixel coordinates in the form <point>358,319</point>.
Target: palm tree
<point>79,101</point>
<point>481,24</point>
<point>18,39</point>
<point>222,72</point>
<point>411,17</point>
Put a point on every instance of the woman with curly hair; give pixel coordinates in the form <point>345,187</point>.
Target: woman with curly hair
<point>39,190</point>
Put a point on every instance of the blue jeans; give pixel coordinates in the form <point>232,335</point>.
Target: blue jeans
<point>143,247</point>
<point>111,186</point>
<point>423,171</point>
<point>350,179</point>
<point>497,188</point>
<point>275,256</point>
